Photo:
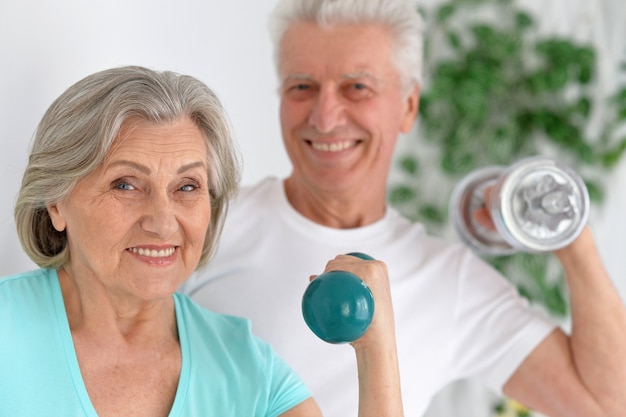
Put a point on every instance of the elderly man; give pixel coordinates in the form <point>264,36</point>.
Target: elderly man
<point>349,86</point>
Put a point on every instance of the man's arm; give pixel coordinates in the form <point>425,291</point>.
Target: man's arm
<point>583,374</point>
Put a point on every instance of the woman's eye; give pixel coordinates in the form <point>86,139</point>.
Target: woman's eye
<point>123,185</point>
<point>189,187</point>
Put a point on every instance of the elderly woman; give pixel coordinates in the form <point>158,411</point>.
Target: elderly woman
<point>123,198</point>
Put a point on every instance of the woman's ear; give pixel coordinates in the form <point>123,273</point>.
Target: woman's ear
<point>55,216</point>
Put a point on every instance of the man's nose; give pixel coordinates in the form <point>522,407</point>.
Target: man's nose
<point>328,111</point>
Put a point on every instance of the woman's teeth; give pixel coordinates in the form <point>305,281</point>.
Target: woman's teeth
<point>153,253</point>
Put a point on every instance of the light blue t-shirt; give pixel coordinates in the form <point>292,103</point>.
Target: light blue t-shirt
<point>226,371</point>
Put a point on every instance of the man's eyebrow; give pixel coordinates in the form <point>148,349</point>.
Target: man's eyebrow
<point>360,75</point>
<point>348,76</point>
<point>298,76</point>
<point>305,76</point>
<point>146,170</point>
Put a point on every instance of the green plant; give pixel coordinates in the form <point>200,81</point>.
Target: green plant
<point>496,91</point>
<point>510,408</point>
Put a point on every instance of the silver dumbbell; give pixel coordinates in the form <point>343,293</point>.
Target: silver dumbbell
<point>537,205</point>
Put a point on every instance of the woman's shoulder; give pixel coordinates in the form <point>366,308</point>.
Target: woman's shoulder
<point>221,336</point>
<point>28,280</point>
<point>196,316</point>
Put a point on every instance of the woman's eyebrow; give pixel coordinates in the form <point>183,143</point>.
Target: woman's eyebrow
<point>133,164</point>
<point>146,170</point>
<point>192,165</point>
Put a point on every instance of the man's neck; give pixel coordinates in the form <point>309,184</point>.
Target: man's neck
<point>345,209</point>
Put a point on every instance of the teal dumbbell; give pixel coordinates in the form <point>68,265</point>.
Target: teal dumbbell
<point>338,306</point>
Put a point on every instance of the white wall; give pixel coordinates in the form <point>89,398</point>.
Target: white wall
<point>45,46</point>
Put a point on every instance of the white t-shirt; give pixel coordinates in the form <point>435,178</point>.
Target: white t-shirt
<point>456,317</point>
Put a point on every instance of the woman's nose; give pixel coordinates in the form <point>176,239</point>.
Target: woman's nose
<point>160,218</point>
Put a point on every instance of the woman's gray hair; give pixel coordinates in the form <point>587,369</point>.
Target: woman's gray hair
<point>77,131</point>
<point>400,17</point>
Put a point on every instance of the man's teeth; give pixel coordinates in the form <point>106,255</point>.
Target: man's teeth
<point>153,253</point>
<point>332,147</point>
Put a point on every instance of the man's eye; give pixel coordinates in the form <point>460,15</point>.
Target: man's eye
<point>357,91</point>
<point>299,87</point>
<point>299,91</point>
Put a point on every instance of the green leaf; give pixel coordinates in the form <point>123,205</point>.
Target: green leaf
<point>525,293</point>
<point>445,12</point>
<point>583,107</point>
<point>596,191</point>
<point>585,75</point>
<point>620,98</point>
<point>528,121</point>
<point>499,407</point>
<point>401,194</point>
<point>535,265</point>
<point>556,78</point>
<point>536,83</point>
<point>555,301</point>
<point>484,33</point>
<point>585,56</point>
<point>409,165</point>
<point>523,20</point>
<point>432,213</point>
<point>453,39</point>
<point>612,157</point>
<point>585,152</point>
<point>458,163</point>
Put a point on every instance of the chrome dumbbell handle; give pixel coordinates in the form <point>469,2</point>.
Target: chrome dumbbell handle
<point>537,205</point>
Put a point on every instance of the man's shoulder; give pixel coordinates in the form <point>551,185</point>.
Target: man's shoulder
<point>267,184</point>
<point>267,194</point>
